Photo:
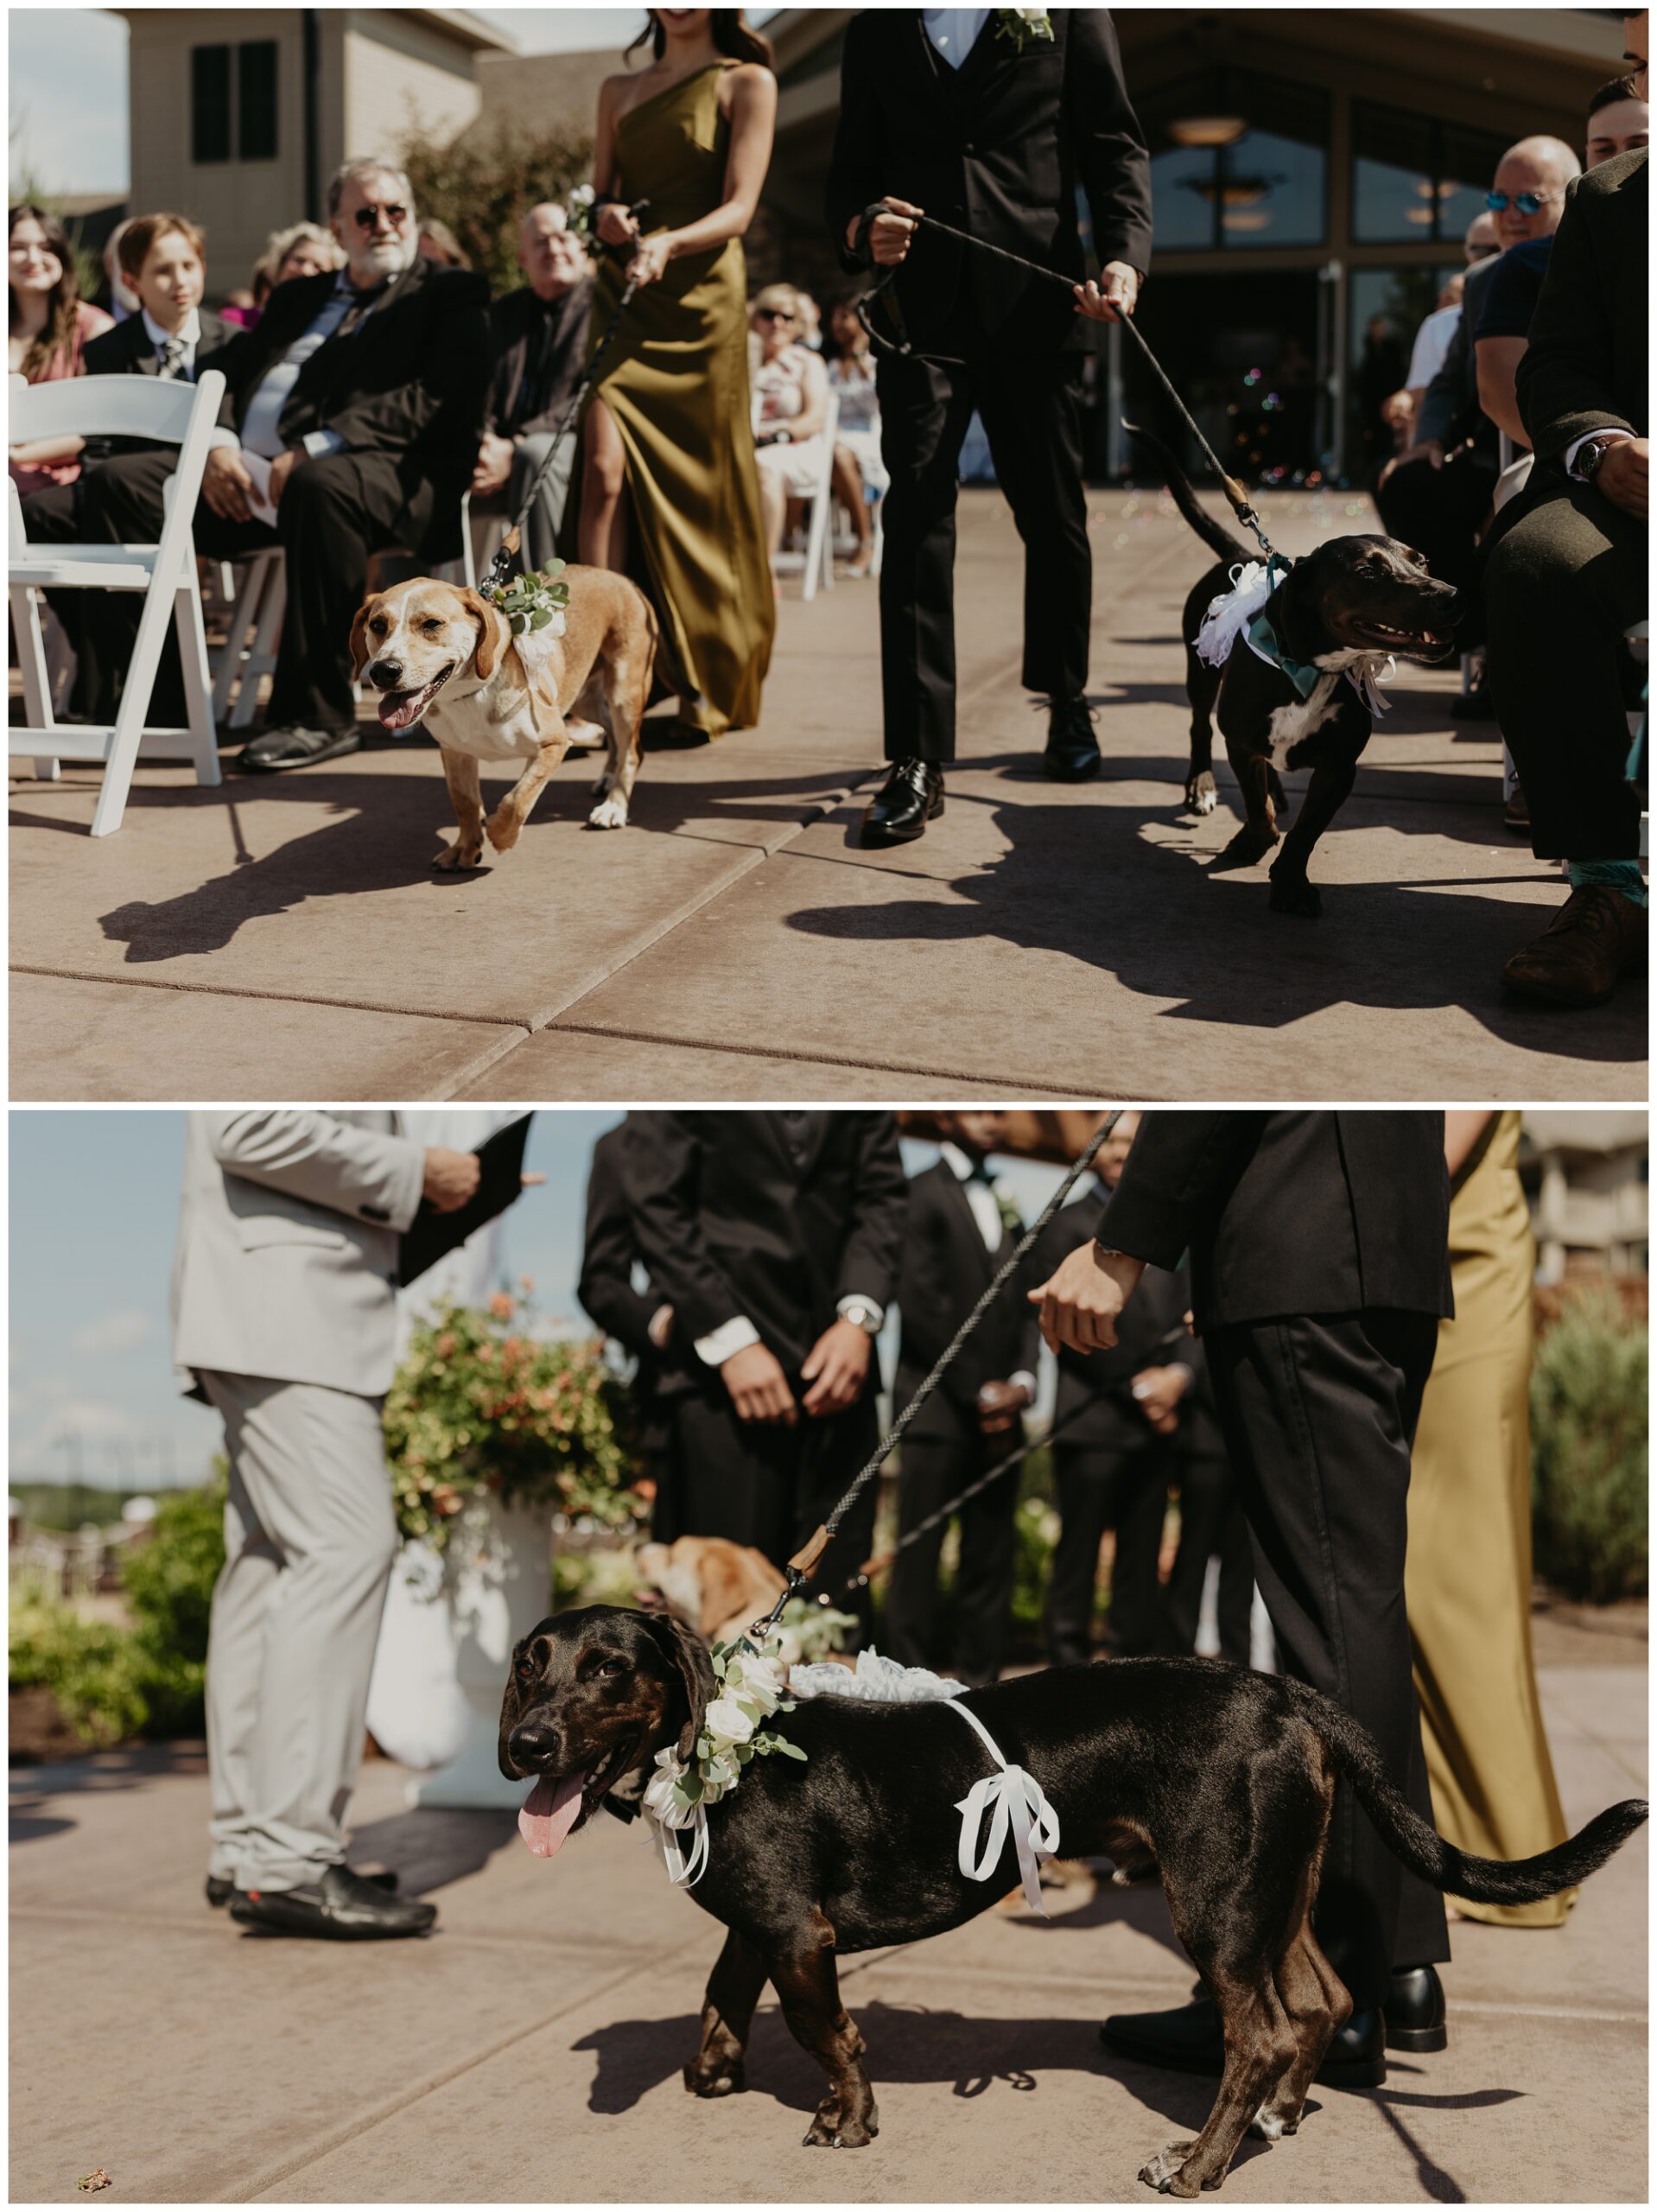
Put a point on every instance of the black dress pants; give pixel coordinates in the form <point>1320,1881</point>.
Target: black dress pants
<point>1562,585</point>
<point>759,1483</point>
<point>1101,1487</point>
<point>1030,408</point>
<point>934,1470</point>
<point>1440,512</point>
<point>1319,1415</point>
<point>1212,1525</point>
<point>336,512</point>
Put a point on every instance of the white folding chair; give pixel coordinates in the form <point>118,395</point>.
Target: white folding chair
<point>173,413</point>
<point>250,648</point>
<point>817,561</point>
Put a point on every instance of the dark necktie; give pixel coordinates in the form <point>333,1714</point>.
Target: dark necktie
<point>362,306</point>
<point>171,352</point>
<point>796,1128</point>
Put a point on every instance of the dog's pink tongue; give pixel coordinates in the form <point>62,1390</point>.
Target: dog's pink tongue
<point>549,1814</point>
<point>399,708</point>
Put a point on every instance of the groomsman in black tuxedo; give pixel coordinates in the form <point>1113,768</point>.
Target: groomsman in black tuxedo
<point>1320,1269</point>
<point>961,1230</point>
<point>991,123</point>
<point>775,1238</point>
<point>640,1320</point>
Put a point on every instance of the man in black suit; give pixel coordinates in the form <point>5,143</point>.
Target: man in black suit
<point>1319,1254</point>
<point>775,1238</point>
<point>357,398</point>
<point>993,129</point>
<point>1566,576</point>
<point>961,1230</point>
<point>641,1321</point>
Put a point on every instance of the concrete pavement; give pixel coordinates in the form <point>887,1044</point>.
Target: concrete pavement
<point>529,2050</point>
<point>284,935</point>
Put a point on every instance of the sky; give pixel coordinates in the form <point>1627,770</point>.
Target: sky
<point>94,1204</point>
<point>69,123</point>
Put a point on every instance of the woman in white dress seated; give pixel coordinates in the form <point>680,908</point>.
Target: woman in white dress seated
<point>859,469</point>
<point>790,398</point>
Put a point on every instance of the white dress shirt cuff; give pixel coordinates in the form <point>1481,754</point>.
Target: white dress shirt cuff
<point>860,1298</point>
<point>725,1342</point>
<point>1022,1374</point>
<point>222,440</point>
<point>318,442</point>
<point>1607,437</point>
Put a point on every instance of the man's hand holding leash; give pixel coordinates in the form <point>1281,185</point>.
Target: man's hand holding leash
<point>889,235</point>
<point>1082,1300</point>
<point>1114,299</point>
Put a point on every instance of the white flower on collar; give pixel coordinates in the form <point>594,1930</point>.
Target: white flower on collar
<point>1024,26</point>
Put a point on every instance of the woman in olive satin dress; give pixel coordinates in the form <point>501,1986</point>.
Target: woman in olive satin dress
<point>670,491</point>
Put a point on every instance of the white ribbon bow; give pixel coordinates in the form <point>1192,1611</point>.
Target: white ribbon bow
<point>681,1872</point>
<point>1014,1800</point>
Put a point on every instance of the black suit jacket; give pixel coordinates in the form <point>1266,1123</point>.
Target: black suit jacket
<point>997,147</point>
<point>729,1223</point>
<point>409,382</point>
<point>1097,1388</point>
<point>128,350</point>
<point>518,330</point>
<point>946,1269</point>
<point>608,1253</point>
<point>1291,1212</point>
<point>1450,411</point>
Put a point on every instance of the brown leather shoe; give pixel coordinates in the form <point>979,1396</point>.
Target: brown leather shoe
<point>1596,935</point>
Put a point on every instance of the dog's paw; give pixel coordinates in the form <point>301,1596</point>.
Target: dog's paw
<point>503,829</point>
<point>459,856</point>
<point>609,814</point>
<point>1202,794</point>
<point>1163,2172</point>
<point>724,2078</point>
<point>1249,846</point>
<point>1269,2125</point>
<point>1297,896</point>
<point>833,2134</point>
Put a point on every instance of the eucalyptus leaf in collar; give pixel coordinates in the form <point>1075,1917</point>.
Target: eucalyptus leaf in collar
<point>1024,26</point>
<point>535,601</point>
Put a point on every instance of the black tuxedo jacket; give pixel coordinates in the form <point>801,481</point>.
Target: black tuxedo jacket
<point>730,1222</point>
<point>1098,1387</point>
<point>128,350</point>
<point>1291,1212</point>
<point>408,382</point>
<point>608,1252</point>
<point>527,394</point>
<point>946,1269</point>
<point>997,147</point>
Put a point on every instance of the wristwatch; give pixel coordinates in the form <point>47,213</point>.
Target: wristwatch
<point>865,1313</point>
<point>1589,457</point>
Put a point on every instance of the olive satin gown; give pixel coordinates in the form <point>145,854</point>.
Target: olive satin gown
<point>676,385</point>
<point>1467,1577</point>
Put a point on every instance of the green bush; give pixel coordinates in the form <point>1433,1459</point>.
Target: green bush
<point>483,188</point>
<point>1588,1449</point>
<point>93,1669</point>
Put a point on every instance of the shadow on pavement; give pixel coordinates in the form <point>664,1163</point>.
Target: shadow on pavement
<point>431,1845</point>
<point>35,1812</point>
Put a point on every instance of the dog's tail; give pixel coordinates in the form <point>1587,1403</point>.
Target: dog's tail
<point>1484,1881</point>
<point>1213,534</point>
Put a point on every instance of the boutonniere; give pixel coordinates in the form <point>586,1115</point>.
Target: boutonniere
<point>1024,26</point>
<point>535,601</point>
<point>1011,1220</point>
<point>578,215</point>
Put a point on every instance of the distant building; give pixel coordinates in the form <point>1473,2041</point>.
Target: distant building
<point>1588,1175</point>
<point>238,116</point>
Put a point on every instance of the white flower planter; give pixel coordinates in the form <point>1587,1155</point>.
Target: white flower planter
<point>498,1586</point>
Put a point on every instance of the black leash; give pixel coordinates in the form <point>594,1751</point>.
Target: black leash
<point>1233,490</point>
<point>506,552</point>
<point>800,1566</point>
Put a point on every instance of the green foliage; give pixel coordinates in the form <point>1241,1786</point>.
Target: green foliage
<point>483,187</point>
<point>481,1403</point>
<point>1588,1449</point>
<point>93,1669</point>
<point>67,1506</point>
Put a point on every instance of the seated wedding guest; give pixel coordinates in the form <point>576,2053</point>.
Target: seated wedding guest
<point>961,1229</point>
<point>123,301</point>
<point>241,307</point>
<point>349,425</point>
<point>540,340</point>
<point>46,333</point>
<point>810,316</point>
<point>303,249</point>
<point>291,1336</point>
<point>162,259</point>
<point>1619,120</point>
<point>1565,579</point>
<point>859,469</point>
<point>790,390</point>
<point>439,243</point>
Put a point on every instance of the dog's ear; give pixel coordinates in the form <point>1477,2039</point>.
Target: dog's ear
<point>686,1652</point>
<point>490,622</point>
<point>360,655</point>
<point>509,1712</point>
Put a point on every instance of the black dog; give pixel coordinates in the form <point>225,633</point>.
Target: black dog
<point>1353,597</point>
<point>1217,1780</point>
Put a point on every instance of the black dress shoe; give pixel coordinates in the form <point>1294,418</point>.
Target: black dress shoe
<point>221,1889</point>
<point>910,798</point>
<point>1072,754</point>
<point>1415,2010</point>
<point>345,1907</point>
<point>1188,2041</point>
<point>291,747</point>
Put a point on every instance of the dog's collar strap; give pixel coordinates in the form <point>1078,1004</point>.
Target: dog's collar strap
<point>1262,639</point>
<point>1015,1801</point>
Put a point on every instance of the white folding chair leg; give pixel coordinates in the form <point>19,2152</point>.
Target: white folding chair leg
<point>35,670</point>
<point>878,553</point>
<point>198,696</point>
<point>153,626</point>
<point>816,538</point>
<point>267,634</point>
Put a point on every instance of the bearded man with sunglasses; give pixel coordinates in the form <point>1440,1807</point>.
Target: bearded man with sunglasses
<point>354,406</point>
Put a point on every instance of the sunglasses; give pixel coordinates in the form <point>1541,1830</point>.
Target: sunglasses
<point>366,218</point>
<point>1528,203</point>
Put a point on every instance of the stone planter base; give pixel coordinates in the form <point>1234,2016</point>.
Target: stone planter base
<point>500,1578</point>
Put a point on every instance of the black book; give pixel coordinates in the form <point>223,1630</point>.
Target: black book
<point>431,1233</point>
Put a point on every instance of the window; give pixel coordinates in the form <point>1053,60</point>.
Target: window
<point>251,107</point>
<point>1415,179</point>
<point>1237,160</point>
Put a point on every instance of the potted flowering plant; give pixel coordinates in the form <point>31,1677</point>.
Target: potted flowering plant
<point>497,1433</point>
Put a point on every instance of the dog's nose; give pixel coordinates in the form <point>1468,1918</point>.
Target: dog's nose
<point>530,1740</point>
<point>388,674</point>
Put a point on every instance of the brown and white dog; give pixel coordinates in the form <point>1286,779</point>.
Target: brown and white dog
<point>441,653</point>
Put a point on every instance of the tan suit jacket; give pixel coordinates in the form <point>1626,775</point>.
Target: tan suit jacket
<point>287,1258</point>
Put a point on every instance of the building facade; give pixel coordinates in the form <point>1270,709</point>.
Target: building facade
<point>1588,1175</point>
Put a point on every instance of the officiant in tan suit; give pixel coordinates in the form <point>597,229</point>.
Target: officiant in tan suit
<point>284,1298</point>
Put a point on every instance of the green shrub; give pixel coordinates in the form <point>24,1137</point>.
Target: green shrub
<point>483,187</point>
<point>1588,1449</point>
<point>93,1669</point>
